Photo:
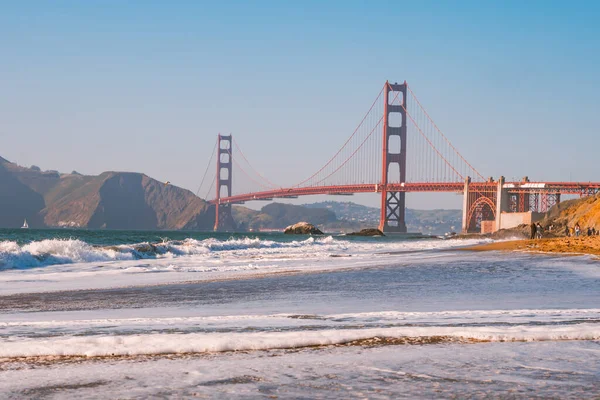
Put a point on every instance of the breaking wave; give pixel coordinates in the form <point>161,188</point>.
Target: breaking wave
<point>68,251</point>
<point>149,344</point>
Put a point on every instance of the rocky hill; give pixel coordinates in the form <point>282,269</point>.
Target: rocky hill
<point>585,212</point>
<point>17,200</point>
<point>111,200</point>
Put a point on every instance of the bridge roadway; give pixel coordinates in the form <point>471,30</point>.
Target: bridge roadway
<point>575,188</point>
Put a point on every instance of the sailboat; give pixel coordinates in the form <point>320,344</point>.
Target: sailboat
<point>25,224</point>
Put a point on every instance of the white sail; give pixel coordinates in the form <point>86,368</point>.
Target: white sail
<point>25,224</point>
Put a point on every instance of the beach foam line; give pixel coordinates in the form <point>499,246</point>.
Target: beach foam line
<point>69,251</point>
<point>536,315</point>
<point>154,344</point>
<point>474,314</point>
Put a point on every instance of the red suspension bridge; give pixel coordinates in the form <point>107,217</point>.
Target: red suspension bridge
<point>396,148</point>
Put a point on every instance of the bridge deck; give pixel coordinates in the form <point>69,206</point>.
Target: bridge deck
<point>577,188</point>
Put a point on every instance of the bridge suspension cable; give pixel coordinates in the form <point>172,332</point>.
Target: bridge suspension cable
<point>360,146</point>
<point>210,188</point>
<point>361,140</point>
<point>331,160</point>
<point>210,164</point>
<point>429,141</point>
<point>431,144</point>
<point>431,159</point>
<point>269,183</point>
<point>246,174</point>
<point>416,100</point>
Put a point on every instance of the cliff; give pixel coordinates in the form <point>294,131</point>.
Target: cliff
<point>111,200</point>
<point>17,200</point>
<point>585,211</point>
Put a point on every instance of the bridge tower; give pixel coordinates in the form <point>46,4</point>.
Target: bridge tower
<point>223,217</point>
<point>393,203</point>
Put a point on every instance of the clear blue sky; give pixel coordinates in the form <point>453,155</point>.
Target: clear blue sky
<point>146,85</point>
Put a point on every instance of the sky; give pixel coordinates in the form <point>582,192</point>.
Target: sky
<point>146,86</point>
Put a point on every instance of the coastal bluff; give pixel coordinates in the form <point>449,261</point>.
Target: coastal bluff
<point>111,200</point>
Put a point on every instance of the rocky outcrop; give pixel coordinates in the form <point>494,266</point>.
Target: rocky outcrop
<point>302,228</point>
<point>584,211</point>
<point>367,232</point>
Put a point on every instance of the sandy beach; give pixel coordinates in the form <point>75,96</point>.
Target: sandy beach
<point>564,245</point>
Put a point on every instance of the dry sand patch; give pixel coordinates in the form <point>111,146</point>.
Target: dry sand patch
<point>564,245</point>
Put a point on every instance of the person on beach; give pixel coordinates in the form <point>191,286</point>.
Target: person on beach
<point>533,229</point>
<point>589,231</point>
<point>577,229</point>
<point>539,230</point>
<point>567,231</point>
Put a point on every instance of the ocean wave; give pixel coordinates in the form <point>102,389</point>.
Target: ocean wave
<point>55,251</point>
<point>153,344</point>
<point>255,321</point>
<point>67,251</point>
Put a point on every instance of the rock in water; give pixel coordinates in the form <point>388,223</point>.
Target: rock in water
<point>302,228</point>
<point>367,232</point>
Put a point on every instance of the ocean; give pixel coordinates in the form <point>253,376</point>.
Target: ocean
<point>132,314</point>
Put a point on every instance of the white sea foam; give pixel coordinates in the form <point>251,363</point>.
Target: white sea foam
<point>67,251</point>
<point>48,321</point>
<point>218,342</point>
<point>67,264</point>
<point>452,370</point>
<point>55,251</point>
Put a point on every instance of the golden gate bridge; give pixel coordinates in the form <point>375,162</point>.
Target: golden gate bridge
<point>395,149</point>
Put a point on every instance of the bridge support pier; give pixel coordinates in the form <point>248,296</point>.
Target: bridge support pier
<point>501,202</point>
<point>393,204</point>
<point>223,217</point>
<point>480,206</point>
<point>465,209</point>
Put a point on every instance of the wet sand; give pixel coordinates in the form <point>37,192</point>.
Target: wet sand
<point>564,245</point>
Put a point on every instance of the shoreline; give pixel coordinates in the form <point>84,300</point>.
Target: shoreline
<point>582,245</point>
